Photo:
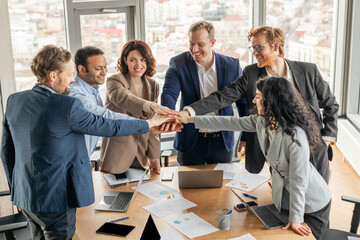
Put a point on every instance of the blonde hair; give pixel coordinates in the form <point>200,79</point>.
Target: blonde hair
<point>203,25</point>
<point>49,58</point>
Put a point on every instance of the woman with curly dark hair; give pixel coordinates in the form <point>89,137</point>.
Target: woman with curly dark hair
<point>132,91</point>
<point>287,132</point>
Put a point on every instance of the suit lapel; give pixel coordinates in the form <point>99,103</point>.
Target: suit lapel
<point>272,153</point>
<point>298,76</point>
<point>194,74</point>
<point>220,71</point>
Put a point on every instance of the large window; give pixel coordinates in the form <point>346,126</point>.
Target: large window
<point>308,25</point>
<point>167,23</point>
<point>33,25</point>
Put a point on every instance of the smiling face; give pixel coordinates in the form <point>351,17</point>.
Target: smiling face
<point>136,64</point>
<point>200,46</point>
<point>259,101</point>
<point>95,71</point>
<point>267,55</point>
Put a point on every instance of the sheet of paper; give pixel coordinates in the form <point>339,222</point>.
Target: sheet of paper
<point>247,181</point>
<point>169,206</point>
<point>247,236</point>
<point>230,170</point>
<point>156,190</point>
<point>170,234</point>
<point>191,225</point>
<point>353,238</point>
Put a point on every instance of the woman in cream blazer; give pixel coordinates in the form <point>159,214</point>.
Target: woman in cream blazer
<point>132,91</point>
<point>286,144</point>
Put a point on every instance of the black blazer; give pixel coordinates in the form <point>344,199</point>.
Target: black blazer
<point>307,80</point>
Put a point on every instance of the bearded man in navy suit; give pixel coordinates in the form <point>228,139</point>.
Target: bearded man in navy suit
<point>43,147</point>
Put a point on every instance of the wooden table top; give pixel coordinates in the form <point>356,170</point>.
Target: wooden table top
<point>208,201</point>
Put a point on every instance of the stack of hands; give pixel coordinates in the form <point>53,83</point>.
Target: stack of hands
<point>167,120</point>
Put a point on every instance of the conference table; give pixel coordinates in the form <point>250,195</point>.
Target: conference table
<point>208,201</point>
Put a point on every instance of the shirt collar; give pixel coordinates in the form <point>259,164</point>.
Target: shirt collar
<point>213,66</point>
<point>288,71</point>
<point>85,86</point>
<point>47,88</point>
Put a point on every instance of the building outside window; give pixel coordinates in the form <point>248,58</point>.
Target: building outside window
<point>33,24</point>
<point>308,26</point>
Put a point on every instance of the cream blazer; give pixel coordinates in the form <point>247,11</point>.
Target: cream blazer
<point>118,153</point>
<point>297,185</point>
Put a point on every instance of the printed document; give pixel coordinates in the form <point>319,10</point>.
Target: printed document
<point>156,190</point>
<point>169,206</point>
<point>191,225</point>
<point>230,170</point>
<point>247,181</point>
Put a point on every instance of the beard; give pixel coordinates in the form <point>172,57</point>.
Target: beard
<point>66,92</point>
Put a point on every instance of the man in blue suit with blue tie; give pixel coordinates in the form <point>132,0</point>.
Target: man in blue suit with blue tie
<point>196,74</point>
<point>43,147</point>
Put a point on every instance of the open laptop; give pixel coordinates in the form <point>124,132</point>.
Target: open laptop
<point>119,201</point>
<point>201,179</point>
<point>267,214</point>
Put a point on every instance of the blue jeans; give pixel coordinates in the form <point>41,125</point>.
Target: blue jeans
<point>206,150</point>
<point>52,225</point>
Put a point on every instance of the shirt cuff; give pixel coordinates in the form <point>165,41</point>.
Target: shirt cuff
<point>147,108</point>
<point>327,138</point>
<point>190,110</point>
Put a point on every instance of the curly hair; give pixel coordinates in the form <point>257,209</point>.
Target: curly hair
<point>273,35</point>
<point>284,105</point>
<point>144,50</point>
<point>49,58</point>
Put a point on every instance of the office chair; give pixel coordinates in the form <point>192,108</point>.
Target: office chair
<point>14,226</point>
<point>333,234</point>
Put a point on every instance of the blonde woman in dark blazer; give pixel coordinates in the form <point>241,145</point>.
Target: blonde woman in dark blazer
<point>287,131</point>
<point>132,91</point>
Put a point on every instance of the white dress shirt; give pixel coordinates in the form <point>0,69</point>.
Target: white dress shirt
<point>208,84</point>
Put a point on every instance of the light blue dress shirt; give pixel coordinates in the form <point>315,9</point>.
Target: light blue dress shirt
<point>90,98</point>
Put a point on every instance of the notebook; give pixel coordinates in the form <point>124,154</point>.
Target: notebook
<point>119,201</point>
<point>201,179</point>
<point>267,214</point>
<point>131,175</point>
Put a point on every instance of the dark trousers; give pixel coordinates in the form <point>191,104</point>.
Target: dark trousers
<point>208,149</point>
<point>320,159</point>
<point>52,225</point>
<point>318,221</point>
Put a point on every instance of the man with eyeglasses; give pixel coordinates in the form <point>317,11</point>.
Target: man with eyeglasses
<point>268,49</point>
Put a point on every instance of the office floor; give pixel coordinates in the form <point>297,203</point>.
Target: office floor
<point>344,181</point>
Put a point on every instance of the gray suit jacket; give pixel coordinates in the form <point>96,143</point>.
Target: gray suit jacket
<point>297,185</point>
<point>307,80</point>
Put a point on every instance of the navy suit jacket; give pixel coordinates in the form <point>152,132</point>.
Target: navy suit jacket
<point>182,76</point>
<point>44,153</point>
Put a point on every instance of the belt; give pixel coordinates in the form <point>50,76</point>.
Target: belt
<point>210,135</point>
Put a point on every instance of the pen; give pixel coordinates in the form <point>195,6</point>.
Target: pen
<point>250,196</point>
<point>120,219</point>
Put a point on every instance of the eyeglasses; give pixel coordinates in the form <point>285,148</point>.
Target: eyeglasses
<point>257,47</point>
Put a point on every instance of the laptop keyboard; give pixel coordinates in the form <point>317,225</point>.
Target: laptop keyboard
<point>122,200</point>
<point>269,218</point>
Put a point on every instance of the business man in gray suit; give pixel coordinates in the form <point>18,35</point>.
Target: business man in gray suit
<point>268,48</point>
